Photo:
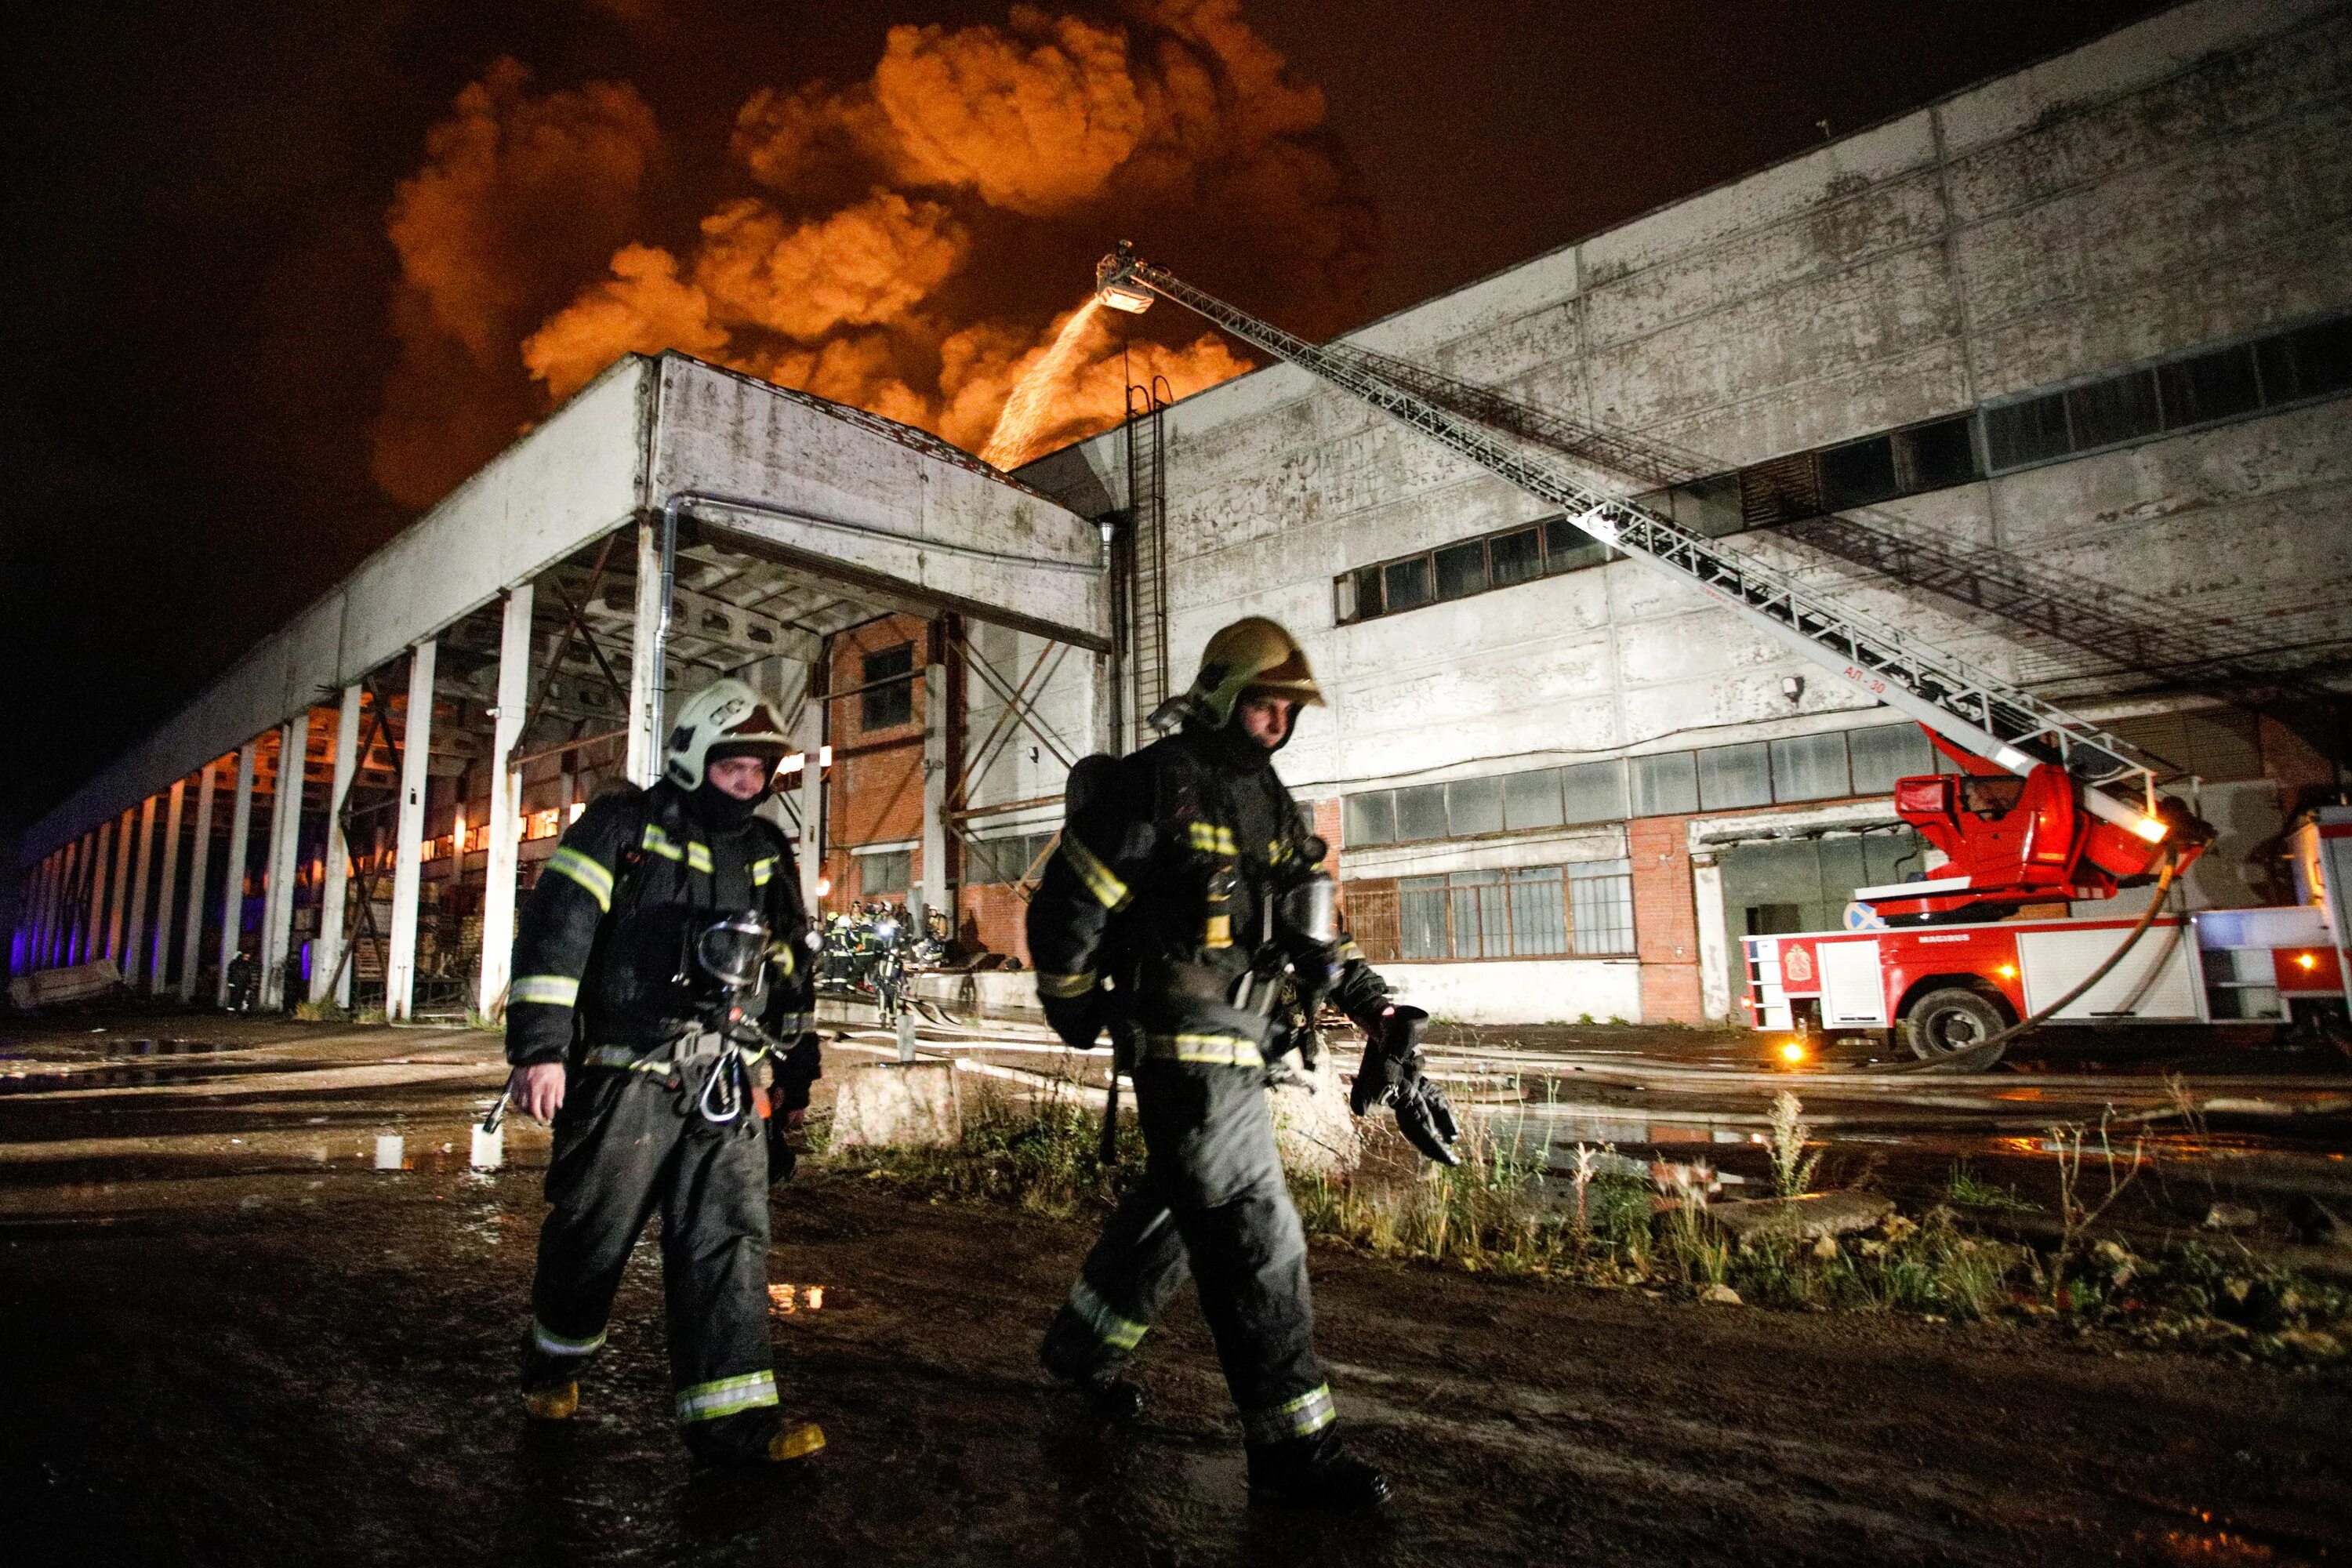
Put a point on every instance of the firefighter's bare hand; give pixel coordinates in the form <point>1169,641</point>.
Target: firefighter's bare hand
<point>537,1090</point>
<point>796,1120</point>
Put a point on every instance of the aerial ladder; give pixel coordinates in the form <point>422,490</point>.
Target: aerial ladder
<point>2047,806</point>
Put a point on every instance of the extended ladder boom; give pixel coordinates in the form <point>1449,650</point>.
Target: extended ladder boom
<point>2010,728</point>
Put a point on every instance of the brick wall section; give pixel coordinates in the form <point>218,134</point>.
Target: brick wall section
<point>875,786</point>
<point>1666,920</point>
<point>992,915</point>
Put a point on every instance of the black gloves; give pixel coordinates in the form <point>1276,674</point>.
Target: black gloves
<point>1078,1020</point>
<point>1391,1074</point>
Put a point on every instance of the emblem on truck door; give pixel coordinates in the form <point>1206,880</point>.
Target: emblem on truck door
<point>1797,964</point>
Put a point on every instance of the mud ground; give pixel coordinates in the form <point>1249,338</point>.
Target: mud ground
<point>228,1339</point>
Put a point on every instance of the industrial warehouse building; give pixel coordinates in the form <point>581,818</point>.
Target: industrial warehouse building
<point>2052,372</point>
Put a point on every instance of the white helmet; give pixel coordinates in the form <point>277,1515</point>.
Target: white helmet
<point>725,718</point>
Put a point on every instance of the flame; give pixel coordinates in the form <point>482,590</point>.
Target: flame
<point>900,247</point>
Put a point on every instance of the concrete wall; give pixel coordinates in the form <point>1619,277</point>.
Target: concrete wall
<point>2183,181</point>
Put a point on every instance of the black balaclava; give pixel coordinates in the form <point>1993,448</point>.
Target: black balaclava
<point>713,807</point>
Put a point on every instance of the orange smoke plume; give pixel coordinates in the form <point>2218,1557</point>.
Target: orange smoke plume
<point>892,256</point>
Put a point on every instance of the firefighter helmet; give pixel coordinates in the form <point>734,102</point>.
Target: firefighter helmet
<point>1254,654</point>
<point>725,718</point>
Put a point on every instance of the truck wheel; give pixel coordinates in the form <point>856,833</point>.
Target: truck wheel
<point>1950,1020</point>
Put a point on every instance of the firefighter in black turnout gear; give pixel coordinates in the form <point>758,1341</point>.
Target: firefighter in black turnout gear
<point>1172,916</point>
<point>660,1014</point>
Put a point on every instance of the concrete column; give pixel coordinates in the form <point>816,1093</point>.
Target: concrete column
<point>135,942</point>
<point>407,867</point>
<point>89,929</point>
<point>69,916</point>
<point>931,893</point>
<point>1713,942</point>
<point>200,858</point>
<point>118,903</point>
<point>644,703</point>
<point>501,862</point>
<point>159,955</point>
<point>326,966</point>
<point>93,943</point>
<point>240,831</point>
<point>812,747</point>
<point>284,863</point>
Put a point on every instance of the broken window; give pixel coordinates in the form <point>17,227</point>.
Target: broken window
<point>1886,753</point>
<point>885,701</point>
<point>1735,776</point>
<point>1860,473</point>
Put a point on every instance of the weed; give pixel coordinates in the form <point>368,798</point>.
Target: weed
<point>2078,1208</point>
<point>1792,1168</point>
<point>1041,1152</point>
<point>1970,1190</point>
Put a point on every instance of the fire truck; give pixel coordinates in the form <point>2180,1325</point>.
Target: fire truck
<point>2046,811</point>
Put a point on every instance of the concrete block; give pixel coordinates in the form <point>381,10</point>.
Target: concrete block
<point>1808,1219</point>
<point>910,1105</point>
<point>1312,1124</point>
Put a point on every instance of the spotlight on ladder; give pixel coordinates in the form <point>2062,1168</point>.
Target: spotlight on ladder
<point>1111,285</point>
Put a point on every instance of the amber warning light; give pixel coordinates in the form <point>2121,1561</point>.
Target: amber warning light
<point>1793,1051</point>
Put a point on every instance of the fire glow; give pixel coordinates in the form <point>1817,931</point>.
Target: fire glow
<point>884,241</point>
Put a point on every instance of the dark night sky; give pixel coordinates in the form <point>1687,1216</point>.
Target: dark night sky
<point>195,340</point>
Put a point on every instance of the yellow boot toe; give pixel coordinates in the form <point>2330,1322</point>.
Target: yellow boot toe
<point>796,1442</point>
<point>558,1404</point>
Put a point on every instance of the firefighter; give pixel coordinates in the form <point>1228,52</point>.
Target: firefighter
<point>641,1026</point>
<point>1167,916</point>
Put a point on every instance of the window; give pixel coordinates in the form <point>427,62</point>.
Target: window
<point>1664,785</point>
<point>1481,921</point>
<point>1529,911</point>
<point>1532,799</point>
<point>1600,906</point>
<point>2120,408</point>
<point>2028,432</point>
<point>1005,859</point>
<point>1405,585</point>
<point>1370,819</point>
<point>1810,767</point>
<point>2209,386</point>
<point>1462,570</point>
<point>1595,792</point>
<point>1887,752</point>
<point>885,701</point>
<point>1861,473</point>
<point>1735,776</point>
<point>1934,457</point>
<point>1516,557</point>
<point>1567,548</point>
<point>2306,363</point>
<point>889,872</point>
<point>1420,813</point>
<point>1539,912</point>
<point>1474,806</point>
<point>1420,910</point>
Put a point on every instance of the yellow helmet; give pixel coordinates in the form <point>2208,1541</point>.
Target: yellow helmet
<point>1254,654</point>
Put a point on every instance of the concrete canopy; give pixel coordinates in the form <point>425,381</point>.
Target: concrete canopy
<point>890,515</point>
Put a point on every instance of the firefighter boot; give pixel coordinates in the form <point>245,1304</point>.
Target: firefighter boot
<point>1315,1472</point>
<point>1072,1353</point>
<point>752,1437</point>
<point>557,1404</point>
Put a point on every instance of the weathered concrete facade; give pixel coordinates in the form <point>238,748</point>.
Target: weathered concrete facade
<point>2182,184</point>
